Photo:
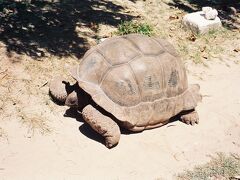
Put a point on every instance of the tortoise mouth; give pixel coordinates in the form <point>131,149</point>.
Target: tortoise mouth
<point>72,99</point>
<point>71,105</point>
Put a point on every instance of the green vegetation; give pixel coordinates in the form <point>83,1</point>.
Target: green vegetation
<point>220,167</point>
<point>128,27</point>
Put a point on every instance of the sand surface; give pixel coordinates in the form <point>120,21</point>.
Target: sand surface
<point>72,151</point>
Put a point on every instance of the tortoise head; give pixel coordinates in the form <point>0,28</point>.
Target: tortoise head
<point>77,98</point>
<point>72,99</point>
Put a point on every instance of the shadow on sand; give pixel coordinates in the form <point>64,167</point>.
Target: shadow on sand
<point>87,131</point>
<point>42,26</point>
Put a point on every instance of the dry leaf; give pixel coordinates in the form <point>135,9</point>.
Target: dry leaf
<point>237,50</point>
<point>192,38</point>
<point>205,56</point>
<point>202,49</point>
<point>173,17</point>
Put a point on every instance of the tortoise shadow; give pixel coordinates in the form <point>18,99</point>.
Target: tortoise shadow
<point>86,130</point>
<point>169,124</point>
<point>74,113</point>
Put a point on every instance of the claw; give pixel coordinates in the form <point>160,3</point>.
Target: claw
<point>190,118</point>
<point>193,123</point>
<point>197,121</point>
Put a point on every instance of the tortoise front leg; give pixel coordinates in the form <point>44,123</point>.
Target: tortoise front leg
<point>190,117</point>
<point>103,125</point>
<point>59,89</point>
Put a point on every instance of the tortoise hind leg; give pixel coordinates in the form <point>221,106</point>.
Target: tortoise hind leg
<point>190,117</point>
<point>103,125</point>
<point>190,101</point>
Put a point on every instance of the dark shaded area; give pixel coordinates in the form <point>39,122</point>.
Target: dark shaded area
<point>91,134</point>
<point>41,26</point>
<point>74,113</point>
<point>85,128</point>
<point>227,9</point>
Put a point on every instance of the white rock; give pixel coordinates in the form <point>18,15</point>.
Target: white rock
<point>206,9</point>
<point>211,15</point>
<point>199,24</point>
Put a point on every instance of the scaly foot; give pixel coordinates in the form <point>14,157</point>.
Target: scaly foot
<point>190,118</point>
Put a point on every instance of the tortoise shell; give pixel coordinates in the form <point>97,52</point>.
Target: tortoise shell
<point>138,79</point>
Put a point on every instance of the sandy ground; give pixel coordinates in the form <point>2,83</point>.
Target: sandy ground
<point>71,151</point>
<point>38,142</point>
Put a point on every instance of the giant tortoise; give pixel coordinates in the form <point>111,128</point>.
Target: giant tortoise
<point>134,81</point>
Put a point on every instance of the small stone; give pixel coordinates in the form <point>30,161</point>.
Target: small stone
<point>199,24</point>
<point>211,15</point>
<point>206,9</point>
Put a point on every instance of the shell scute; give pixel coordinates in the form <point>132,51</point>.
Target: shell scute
<point>146,45</point>
<point>91,69</point>
<point>120,86</point>
<point>118,51</point>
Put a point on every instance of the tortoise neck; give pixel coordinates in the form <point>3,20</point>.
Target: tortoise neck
<point>83,98</point>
